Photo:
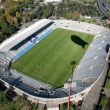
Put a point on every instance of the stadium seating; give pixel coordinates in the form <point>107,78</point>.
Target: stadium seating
<point>31,44</point>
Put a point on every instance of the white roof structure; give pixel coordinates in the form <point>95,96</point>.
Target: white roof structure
<point>50,1</point>
<point>17,38</point>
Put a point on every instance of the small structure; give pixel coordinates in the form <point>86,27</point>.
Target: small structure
<point>11,95</point>
<point>52,1</point>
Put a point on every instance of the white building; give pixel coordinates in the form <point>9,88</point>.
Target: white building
<point>1,1</point>
<point>52,1</point>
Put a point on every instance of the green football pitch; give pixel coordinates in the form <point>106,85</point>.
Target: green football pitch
<point>54,58</point>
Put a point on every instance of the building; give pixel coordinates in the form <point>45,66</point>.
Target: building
<point>9,43</point>
<point>88,75</point>
<point>1,1</point>
<point>52,1</point>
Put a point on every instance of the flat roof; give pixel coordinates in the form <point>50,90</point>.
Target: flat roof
<point>53,1</point>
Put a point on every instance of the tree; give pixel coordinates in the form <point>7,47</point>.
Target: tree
<point>2,11</point>
<point>9,18</point>
<point>73,15</point>
<point>39,12</point>
<point>48,10</point>
<point>16,22</point>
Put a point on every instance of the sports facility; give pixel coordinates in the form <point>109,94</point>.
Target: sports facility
<point>52,58</point>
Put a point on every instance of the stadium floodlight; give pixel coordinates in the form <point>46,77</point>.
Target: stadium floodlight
<point>69,92</point>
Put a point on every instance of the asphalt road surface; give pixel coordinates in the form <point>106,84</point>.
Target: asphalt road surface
<point>104,6</point>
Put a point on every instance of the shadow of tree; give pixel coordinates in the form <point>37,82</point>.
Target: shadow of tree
<point>108,77</point>
<point>78,41</point>
<point>72,63</point>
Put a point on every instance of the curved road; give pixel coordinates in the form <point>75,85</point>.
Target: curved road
<point>103,6</point>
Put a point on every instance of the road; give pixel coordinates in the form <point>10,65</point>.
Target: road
<point>103,6</point>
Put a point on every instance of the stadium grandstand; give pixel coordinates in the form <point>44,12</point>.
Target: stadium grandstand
<point>19,45</point>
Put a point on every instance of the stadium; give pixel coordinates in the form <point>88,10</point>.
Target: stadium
<point>39,61</point>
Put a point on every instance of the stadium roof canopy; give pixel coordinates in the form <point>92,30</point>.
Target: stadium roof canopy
<point>20,36</point>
